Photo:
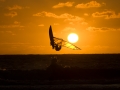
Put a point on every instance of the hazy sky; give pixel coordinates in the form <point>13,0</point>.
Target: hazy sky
<point>24,25</point>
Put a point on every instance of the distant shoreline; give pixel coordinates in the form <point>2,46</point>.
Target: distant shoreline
<point>64,54</point>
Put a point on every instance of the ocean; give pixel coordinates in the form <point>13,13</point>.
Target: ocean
<point>60,72</point>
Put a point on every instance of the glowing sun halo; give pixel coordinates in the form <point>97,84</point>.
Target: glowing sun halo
<point>72,37</point>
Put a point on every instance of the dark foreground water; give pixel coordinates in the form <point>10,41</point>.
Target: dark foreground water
<point>68,72</point>
<point>63,87</point>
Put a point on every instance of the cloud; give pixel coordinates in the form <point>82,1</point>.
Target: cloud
<point>102,29</point>
<point>74,19</point>
<point>91,4</point>
<point>41,25</point>
<point>65,16</point>
<point>15,25</point>
<point>106,14</point>
<point>67,4</point>
<point>49,14</point>
<point>15,7</point>
<point>10,32</point>
<point>7,32</point>
<point>11,14</point>
<point>16,22</point>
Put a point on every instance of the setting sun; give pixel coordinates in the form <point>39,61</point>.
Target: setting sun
<point>72,37</point>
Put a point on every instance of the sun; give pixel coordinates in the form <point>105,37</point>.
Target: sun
<point>72,37</point>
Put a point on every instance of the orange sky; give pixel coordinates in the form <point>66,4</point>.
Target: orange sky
<point>24,25</point>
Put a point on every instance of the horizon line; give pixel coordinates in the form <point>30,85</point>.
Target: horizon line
<point>60,54</point>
